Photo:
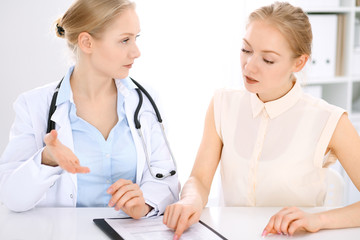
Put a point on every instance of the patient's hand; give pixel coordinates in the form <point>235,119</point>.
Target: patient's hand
<point>181,215</point>
<point>291,219</point>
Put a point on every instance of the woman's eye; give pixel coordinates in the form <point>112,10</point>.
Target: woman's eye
<point>245,51</point>
<point>268,62</point>
<point>125,40</point>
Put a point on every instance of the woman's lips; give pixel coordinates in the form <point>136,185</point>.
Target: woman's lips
<point>250,80</point>
<point>128,66</point>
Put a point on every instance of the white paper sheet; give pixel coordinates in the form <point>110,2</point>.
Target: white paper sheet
<point>154,229</point>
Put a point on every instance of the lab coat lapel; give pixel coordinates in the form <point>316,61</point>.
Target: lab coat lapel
<point>131,99</point>
<point>63,127</point>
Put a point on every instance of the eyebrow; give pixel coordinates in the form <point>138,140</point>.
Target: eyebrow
<point>265,51</point>
<point>131,34</point>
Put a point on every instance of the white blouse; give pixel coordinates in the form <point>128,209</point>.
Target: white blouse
<point>274,153</point>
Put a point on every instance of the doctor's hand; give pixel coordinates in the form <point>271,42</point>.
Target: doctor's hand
<point>128,197</point>
<point>57,154</point>
<point>181,215</point>
<point>291,219</point>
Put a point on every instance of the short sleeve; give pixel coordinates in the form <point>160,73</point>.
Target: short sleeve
<point>217,110</point>
<point>329,128</point>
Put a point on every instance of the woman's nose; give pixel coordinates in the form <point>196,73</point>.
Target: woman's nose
<point>251,65</point>
<point>135,52</point>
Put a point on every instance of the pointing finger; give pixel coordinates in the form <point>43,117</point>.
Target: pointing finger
<point>182,225</point>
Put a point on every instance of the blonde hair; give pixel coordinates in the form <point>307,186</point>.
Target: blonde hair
<point>291,21</point>
<point>91,16</point>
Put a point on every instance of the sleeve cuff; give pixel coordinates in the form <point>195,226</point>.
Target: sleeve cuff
<point>154,211</point>
<point>157,195</point>
<point>46,170</point>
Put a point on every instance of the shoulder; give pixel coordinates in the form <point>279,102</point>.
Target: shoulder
<point>320,105</point>
<point>229,99</point>
<point>35,100</point>
<point>38,94</point>
<point>229,95</point>
<point>224,104</point>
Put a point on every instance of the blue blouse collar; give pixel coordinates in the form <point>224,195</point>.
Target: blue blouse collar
<point>65,92</point>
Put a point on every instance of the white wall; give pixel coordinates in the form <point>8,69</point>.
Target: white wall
<point>189,49</point>
<point>30,53</point>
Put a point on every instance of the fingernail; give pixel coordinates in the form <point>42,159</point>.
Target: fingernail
<point>111,203</point>
<point>176,237</point>
<point>264,233</point>
<point>109,190</point>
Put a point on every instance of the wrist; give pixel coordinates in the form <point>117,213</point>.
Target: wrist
<point>195,193</point>
<point>193,200</point>
<point>323,220</point>
<point>46,158</point>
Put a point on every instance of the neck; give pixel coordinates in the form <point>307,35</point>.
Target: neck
<point>87,83</point>
<point>265,97</point>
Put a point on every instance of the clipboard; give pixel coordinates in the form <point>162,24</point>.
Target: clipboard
<point>114,235</point>
<point>107,229</point>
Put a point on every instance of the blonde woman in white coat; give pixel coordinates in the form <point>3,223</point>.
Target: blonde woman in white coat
<point>95,156</point>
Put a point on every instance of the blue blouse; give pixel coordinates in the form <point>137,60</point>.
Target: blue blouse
<point>108,160</point>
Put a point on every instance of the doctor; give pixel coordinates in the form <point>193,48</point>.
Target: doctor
<point>95,156</point>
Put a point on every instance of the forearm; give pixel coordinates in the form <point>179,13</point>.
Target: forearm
<point>345,217</point>
<point>195,191</point>
<point>27,184</point>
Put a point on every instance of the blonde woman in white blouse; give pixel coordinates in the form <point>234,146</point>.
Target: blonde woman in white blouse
<point>273,141</point>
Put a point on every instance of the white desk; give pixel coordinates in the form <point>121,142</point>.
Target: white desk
<point>76,223</point>
<point>249,222</point>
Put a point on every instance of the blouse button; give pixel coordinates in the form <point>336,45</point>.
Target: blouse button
<point>71,196</point>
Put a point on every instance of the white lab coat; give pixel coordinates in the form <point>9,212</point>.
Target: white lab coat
<point>26,183</point>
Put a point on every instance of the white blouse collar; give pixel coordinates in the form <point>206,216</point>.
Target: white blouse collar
<point>278,106</point>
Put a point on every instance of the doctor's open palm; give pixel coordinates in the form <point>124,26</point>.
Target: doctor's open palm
<point>57,154</point>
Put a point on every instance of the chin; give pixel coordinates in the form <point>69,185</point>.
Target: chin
<point>251,88</point>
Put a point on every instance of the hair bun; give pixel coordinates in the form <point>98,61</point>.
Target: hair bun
<point>60,30</point>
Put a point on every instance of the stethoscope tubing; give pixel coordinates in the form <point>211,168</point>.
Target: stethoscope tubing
<point>140,89</point>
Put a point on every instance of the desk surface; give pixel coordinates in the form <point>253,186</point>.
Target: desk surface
<point>76,223</point>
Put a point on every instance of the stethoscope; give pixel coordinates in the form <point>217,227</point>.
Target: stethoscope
<point>140,89</point>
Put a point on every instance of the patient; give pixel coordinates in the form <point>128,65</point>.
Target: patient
<point>274,142</point>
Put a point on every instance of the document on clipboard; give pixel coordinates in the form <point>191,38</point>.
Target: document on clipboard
<point>152,228</point>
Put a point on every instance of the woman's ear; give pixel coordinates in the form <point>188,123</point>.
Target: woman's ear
<point>300,62</point>
<point>85,42</point>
